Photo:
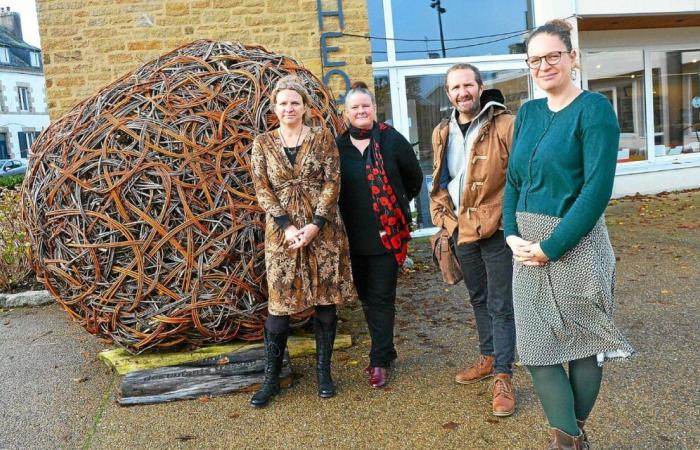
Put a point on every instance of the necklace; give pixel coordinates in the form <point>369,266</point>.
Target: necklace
<point>284,143</point>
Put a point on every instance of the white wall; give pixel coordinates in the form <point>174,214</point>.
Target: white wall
<point>675,179</point>
<point>13,121</point>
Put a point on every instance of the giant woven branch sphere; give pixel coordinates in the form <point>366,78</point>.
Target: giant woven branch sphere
<point>139,203</point>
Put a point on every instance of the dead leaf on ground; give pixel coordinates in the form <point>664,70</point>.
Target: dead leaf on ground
<point>185,438</point>
<point>203,399</point>
<point>665,292</point>
<point>81,379</point>
<point>234,416</point>
<point>450,425</point>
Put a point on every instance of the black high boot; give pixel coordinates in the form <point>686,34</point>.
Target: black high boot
<point>275,344</point>
<point>325,337</point>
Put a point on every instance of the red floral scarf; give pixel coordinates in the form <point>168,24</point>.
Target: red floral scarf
<point>394,232</point>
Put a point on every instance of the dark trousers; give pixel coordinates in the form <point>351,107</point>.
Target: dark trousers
<point>375,279</point>
<point>487,266</point>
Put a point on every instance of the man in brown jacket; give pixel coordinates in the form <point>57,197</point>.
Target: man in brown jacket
<point>470,158</point>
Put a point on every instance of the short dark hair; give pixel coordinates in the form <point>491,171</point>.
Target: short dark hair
<point>557,27</point>
<point>465,66</point>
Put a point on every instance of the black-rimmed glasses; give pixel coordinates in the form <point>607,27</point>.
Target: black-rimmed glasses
<point>552,58</point>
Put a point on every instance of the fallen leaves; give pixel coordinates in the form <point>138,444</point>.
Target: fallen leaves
<point>450,425</point>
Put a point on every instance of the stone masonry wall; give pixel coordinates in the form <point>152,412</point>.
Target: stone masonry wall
<point>89,43</point>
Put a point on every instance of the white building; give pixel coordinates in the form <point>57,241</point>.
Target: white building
<point>643,55</point>
<point>23,109</point>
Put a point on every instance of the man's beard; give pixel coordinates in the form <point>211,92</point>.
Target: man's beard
<point>476,107</point>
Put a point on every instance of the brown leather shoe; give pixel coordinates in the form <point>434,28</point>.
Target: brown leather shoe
<point>481,369</point>
<point>559,440</point>
<point>503,403</point>
<point>378,377</point>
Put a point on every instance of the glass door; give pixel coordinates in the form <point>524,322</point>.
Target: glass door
<point>422,103</point>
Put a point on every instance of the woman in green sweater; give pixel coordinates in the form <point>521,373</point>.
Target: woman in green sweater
<point>560,179</point>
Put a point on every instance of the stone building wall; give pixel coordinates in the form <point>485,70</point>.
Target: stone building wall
<point>89,43</point>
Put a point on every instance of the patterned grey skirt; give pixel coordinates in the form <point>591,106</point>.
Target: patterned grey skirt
<point>564,309</point>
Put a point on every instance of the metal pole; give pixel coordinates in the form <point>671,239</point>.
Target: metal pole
<point>442,37</point>
<point>440,10</point>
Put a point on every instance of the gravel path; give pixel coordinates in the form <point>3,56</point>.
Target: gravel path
<point>651,401</point>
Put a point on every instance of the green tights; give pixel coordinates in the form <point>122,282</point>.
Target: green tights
<point>567,398</point>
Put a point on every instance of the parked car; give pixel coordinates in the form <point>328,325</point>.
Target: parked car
<point>12,167</point>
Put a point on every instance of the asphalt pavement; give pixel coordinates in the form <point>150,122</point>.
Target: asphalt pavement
<point>54,393</point>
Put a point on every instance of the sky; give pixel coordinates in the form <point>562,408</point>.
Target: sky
<point>30,24</point>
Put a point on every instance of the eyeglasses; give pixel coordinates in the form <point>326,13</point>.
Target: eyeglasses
<point>534,62</point>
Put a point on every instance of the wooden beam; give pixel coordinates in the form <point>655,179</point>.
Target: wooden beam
<point>608,23</point>
<point>240,371</point>
<point>124,362</point>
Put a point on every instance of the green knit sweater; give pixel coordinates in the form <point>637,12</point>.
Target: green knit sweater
<point>562,165</point>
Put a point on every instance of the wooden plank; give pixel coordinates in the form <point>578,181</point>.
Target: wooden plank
<point>123,362</point>
<point>232,372</point>
<point>638,22</point>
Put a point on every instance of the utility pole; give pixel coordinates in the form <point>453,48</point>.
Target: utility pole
<point>435,4</point>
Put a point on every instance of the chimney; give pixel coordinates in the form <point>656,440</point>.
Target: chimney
<point>10,21</point>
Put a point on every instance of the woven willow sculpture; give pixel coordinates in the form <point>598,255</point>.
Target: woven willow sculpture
<point>139,204</point>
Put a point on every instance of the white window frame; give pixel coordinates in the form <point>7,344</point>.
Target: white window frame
<point>24,101</point>
<point>35,59</point>
<point>652,163</point>
<point>4,55</point>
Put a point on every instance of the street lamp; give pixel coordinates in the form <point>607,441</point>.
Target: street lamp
<point>435,4</point>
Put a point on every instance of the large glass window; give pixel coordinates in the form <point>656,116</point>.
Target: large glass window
<point>382,93</point>
<point>375,12</point>
<point>469,28</point>
<point>676,81</point>
<point>427,104</point>
<point>620,77</point>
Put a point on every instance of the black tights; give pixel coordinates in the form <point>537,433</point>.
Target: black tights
<point>280,324</point>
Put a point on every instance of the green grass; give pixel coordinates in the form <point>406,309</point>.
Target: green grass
<point>11,181</point>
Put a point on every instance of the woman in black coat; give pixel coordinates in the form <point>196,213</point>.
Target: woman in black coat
<point>379,176</point>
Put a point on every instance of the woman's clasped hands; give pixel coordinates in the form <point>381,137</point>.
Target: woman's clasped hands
<point>526,252</point>
<point>298,238</point>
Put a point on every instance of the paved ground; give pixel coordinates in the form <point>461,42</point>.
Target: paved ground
<point>54,394</point>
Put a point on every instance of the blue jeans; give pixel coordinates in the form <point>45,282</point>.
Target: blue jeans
<point>487,266</point>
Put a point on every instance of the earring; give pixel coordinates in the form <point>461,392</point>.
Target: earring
<point>573,75</point>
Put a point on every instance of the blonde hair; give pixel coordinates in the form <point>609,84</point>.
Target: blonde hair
<point>359,87</point>
<point>292,83</point>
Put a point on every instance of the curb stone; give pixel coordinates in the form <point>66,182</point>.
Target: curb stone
<point>27,298</point>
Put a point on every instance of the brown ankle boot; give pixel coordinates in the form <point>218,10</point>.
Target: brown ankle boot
<point>562,441</point>
<point>503,403</point>
<point>483,368</point>
<point>586,444</point>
